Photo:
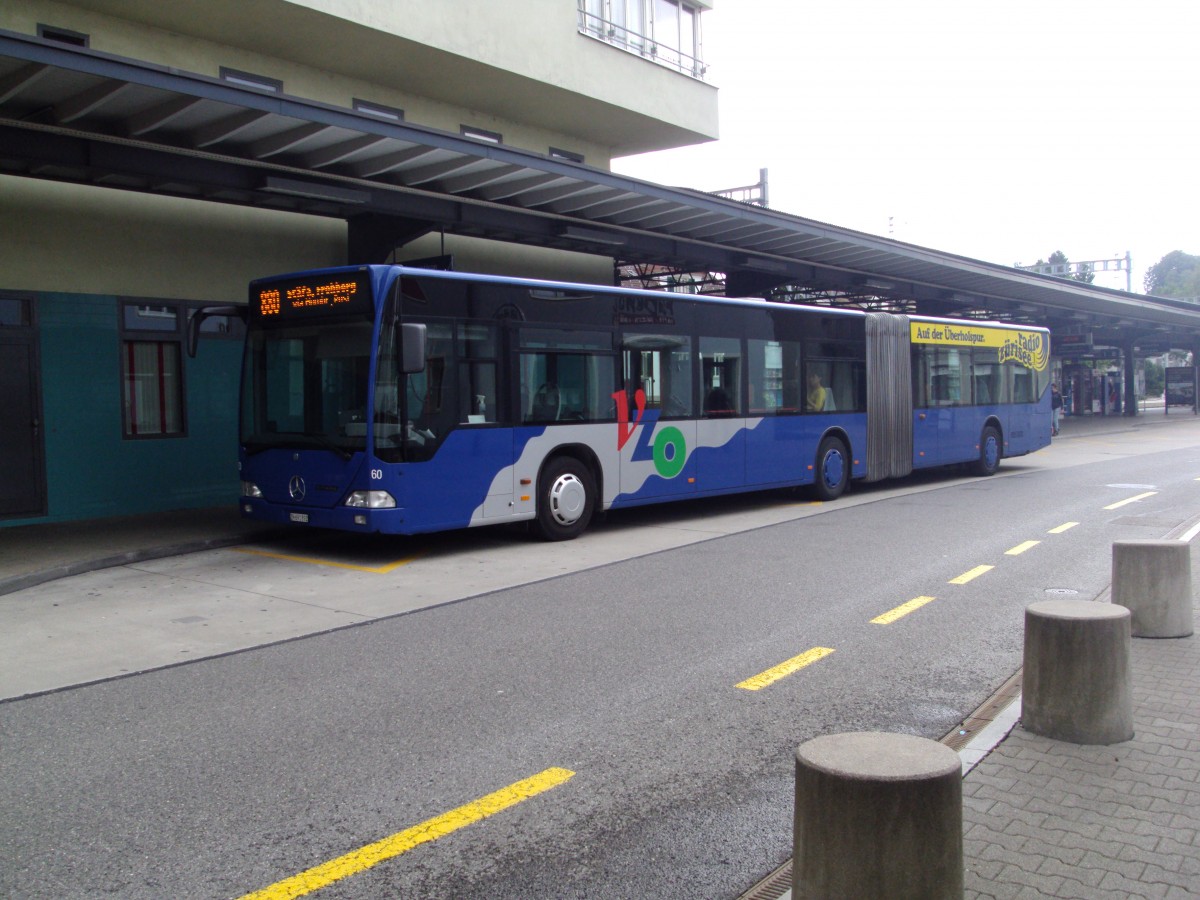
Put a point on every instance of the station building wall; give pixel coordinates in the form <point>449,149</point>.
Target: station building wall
<point>92,469</point>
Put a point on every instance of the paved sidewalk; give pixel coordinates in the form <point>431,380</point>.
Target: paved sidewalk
<point>1046,818</point>
<point>34,554</point>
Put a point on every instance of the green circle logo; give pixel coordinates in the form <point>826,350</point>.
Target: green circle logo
<point>670,452</point>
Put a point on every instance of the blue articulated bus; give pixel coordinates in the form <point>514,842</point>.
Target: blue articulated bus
<point>403,400</point>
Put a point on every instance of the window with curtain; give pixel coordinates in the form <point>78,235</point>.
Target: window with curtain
<point>151,370</point>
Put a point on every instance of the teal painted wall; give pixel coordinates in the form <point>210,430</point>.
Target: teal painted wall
<point>93,471</point>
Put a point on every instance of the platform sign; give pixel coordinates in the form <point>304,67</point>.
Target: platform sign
<point>1073,344</point>
<point>1181,385</point>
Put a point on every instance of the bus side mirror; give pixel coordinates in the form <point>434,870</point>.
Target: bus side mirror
<point>198,317</point>
<point>410,337</point>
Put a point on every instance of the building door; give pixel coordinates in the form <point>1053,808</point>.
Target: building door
<point>22,473</point>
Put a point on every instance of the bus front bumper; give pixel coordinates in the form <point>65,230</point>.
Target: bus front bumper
<point>343,518</point>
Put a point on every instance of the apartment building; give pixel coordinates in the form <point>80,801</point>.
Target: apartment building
<point>158,156</point>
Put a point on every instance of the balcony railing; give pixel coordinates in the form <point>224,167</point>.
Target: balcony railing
<point>643,45</point>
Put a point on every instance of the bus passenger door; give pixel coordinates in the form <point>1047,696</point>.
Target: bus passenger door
<point>656,428</point>
<point>933,412</point>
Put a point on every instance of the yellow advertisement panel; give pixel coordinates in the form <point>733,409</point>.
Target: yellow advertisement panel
<point>1027,348</point>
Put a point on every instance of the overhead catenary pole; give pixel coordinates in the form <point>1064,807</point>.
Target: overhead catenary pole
<point>1081,266</point>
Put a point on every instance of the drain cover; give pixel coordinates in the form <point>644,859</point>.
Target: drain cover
<point>1061,591</point>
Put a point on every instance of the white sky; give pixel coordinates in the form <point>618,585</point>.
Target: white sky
<point>1002,131</point>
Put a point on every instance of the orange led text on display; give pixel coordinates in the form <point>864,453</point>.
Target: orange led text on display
<point>327,295</point>
<point>340,294</point>
<point>268,302</point>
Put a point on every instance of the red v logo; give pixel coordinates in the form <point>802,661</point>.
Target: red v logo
<point>625,429</point>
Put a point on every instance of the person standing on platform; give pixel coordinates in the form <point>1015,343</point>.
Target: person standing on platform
<point>1056,405</point>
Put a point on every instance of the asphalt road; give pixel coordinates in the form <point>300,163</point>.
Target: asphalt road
<point>617,683</point>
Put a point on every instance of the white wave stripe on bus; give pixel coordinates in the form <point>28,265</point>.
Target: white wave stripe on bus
<point>622,475</point>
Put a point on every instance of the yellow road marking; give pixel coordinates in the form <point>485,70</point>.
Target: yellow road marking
<point>784,669</point>
<point>1065,526</point>
<point>902,610</point>
<point>1121,503</point>
<point>375,570</point>
<point>351,863</point>
<point>972,575</point>
<point>1021,548</point>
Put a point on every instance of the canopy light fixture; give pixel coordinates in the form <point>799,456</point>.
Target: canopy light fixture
<point>313,191</point>
<point>592,236</point>
<point>762,264</point>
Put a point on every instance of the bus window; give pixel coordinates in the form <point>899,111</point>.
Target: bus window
<point>774,377</point>
<point>566,387</point>
<point>1022,385</point>
<point>660,365</point>
<point>985,377</point>
<point>561,381</point>
<point>946,377</point>
<point>721,374</point>
<point>429,411</point>
<point>478,393</point>
<point>841,371</point>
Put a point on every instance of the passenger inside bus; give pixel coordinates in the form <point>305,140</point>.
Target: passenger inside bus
<point>817,398</point>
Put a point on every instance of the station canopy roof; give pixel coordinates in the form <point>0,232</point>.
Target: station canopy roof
<point>77,115</point>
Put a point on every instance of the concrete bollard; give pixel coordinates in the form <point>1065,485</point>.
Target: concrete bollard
<point>1153,579</point>
<point>1077,685</point>
<point>877,815</point>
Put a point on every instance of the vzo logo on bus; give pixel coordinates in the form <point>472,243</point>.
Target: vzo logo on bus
<point>669,450</point>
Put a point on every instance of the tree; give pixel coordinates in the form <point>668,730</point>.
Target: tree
<point>1156,378</point>
<point>1175,275</point>
<point>1058,258</point>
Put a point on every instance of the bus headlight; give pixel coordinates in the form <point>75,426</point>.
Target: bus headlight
<point>250,489</point>
<point>371,500</point>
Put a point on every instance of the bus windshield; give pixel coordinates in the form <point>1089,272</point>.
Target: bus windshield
<point>305,385</point>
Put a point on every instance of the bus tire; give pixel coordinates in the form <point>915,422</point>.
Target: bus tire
<point>832,470</point>
<point>566,499</point>
<point>991,449</point>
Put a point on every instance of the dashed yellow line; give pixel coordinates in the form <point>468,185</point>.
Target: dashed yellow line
<point>1021,548</point>
<point>1065,526</point>
<point>1129,500</point>
<point>971,575</point>
<point>352,863</point>
<point>784,669</point>
<point>902,610</point>
<point>374,570</point>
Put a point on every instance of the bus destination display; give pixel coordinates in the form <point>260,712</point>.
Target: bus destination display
<point>290,299</point>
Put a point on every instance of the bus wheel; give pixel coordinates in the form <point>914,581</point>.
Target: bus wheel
<point>832,469</point>
<point>566,499</point>
<point>989,451</point>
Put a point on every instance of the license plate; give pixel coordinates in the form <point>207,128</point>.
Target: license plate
<point>298,517</point>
